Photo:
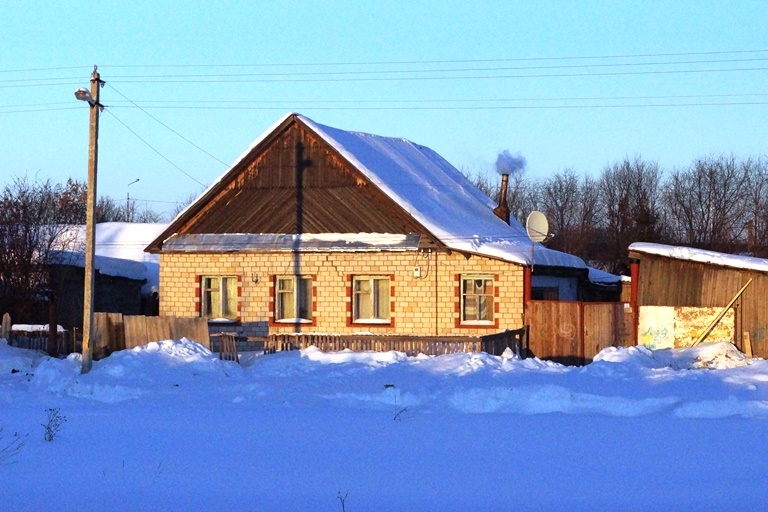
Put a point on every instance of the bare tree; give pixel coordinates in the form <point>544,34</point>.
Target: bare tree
<point>560,203</point>
<point>708,203</point>
<point>631,201</point>
<point>756,193</point>
<point>192,197</point>
<point>33,216</point>
<point>523,196</point>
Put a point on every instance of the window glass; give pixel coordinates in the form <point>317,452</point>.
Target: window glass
<point>219,297</point>
<point>293,298</point>
<point>477,299</point>
<point>370,298</point>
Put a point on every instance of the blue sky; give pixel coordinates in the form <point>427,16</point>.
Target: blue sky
<point>565,84</point>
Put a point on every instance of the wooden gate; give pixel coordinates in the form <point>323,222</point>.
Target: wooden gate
<point>574,332</point>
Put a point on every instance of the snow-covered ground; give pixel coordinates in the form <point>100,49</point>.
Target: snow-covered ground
<point>170,427</point>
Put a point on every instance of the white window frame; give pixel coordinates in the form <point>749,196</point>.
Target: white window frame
<point>219,297</point>
<point>473,295</point>
<point>288,299</point>
<point>379,292</point>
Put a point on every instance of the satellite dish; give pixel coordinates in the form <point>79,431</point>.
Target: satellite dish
<point>537,226</point>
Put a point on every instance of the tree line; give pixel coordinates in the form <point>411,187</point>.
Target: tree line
<point>718,203</point>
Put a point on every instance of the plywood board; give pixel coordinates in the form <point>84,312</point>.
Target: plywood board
<point>662,327</point>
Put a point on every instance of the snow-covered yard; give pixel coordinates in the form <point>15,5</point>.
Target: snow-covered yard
<point>170,427</point>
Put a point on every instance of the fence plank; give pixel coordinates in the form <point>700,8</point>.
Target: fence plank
<point>135,331</point>
<point>100,335</point>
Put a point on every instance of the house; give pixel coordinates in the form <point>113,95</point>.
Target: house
<point>680,291</point>
<point>125,278</point>
<point>317,229</point>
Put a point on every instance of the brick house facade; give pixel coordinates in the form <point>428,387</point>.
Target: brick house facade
<point>428,305</point>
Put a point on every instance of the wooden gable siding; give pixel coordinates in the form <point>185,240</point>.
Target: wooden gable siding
<point>667,282</point>
<point>298,184</point>
<point>671,282</point>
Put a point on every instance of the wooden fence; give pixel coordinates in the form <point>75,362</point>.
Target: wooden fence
<point>495,344</point>
<point>115,331</point>
<point>574,332</point>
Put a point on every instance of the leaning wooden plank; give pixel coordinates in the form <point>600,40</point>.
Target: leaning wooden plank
<point>721,315</point>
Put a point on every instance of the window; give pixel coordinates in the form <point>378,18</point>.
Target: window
<point>477,299</point>
<point>219,297</point>
<point>293,299</point>
<point>370,299</point>
<point>545,293</point>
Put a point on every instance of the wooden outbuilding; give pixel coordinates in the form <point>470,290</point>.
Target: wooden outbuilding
<point>680,292</point>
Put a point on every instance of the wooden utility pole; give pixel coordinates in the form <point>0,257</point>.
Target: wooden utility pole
<point>90,231</point>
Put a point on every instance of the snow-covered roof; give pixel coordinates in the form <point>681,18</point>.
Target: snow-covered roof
<point>701,256</point>
<point>116,267</point>
<point>119,250</point>
<point>432,191</point>
<point>439,197</point>
<point>602,277</point>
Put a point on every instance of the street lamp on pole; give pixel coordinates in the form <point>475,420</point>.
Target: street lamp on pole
<point>92,97</point>
<point>128,215</point>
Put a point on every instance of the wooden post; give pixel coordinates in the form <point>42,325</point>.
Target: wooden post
<point>53,324</point>
<point>747,344</point>
<point>5,331</point>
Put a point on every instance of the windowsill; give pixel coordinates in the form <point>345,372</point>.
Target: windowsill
<point>478,323</point>
<point>293,321</point>
<point>372,321</point>
<point>220,321</point>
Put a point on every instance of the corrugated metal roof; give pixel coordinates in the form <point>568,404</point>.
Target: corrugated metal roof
<point>238,242</point>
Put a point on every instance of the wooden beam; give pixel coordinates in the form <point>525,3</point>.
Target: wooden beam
<point>747,344</point>
<point>721,314</point>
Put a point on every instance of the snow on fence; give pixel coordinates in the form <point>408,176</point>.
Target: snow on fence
<point>37,337</point>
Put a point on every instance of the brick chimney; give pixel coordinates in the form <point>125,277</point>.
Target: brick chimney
<point>502,211</point>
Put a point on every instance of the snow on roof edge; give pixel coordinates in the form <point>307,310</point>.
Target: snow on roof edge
<point>701,256</point>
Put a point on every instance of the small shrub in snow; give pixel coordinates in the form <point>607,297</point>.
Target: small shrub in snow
<point>54,424</point>
<point>343,500</point>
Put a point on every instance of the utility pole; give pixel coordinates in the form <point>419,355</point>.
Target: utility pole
<point>90,232</point>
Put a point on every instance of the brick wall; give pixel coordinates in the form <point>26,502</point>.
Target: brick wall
<point>428,305</point>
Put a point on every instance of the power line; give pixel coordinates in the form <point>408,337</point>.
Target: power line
<point>434,78</point>
<point>294,106</point>
<point>447,61</point>
<point>17,82</point>
<point>455,70</point>
<point>155,150</point>
<point>443,101</point>
<point>169,128</point>
<point>34,70</point>
<point>483,107</point>
<point>460,100</point>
